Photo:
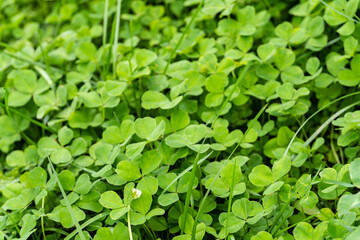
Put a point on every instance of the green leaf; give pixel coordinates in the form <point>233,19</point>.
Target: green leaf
<point>303,231</point>
<point>216,83</point>
<point>261,176</point>
<point>153,100</point>
<point>144,57</point>
<point>266,51</point>
<point>230,27</point>
<point>179,120</point>
<point>83,184</point>
<point>281,167</point>
<point>150,161</point>
<point>67,180</point>
<point>28,224</point>
<point>292,74</point>
<point>348,203</point>
<point>61,156</point>
<point>189,222</point>
<point>66,219</point>
<point>24,80</point>
<point>134,149</point>
<point>143,203</point>
<point>262,235</point>
<point>111,200</point>
<point>348,78</point>
<point>128,171</point>
<point>18,99</point>
<point>354,172</point>
<point>86,51</point>
<point>148,129</point>
<point>16,159</point>
<point>37,177</point>
<point>286,91</point>
<point>65,135</point>
<point>284,58</point>
<point>90,99</point>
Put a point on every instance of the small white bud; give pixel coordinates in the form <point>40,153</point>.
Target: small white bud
<point>135,193</point>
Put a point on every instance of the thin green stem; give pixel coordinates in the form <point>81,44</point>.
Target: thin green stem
<point>218,173</point>
<point>339,12</point>
<point>274,229</point>
<point>30,119</point>
<point>87,223</point>
<point>105,22</point>
<point>193,173</point>
<point>173,52</point>
<point>287,228</point>
<point>129,223</point>
<point>230,198</point>
<point>42,218</point>
<point>117,29</point>
<point>67,202</point>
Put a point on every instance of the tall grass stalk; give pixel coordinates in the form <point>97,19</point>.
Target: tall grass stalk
<point>117,29</point>
<point>173,52</point>
<point>52,172</point>
<point>193,172</point>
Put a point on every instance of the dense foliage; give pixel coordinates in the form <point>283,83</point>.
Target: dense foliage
<point>215,119</point>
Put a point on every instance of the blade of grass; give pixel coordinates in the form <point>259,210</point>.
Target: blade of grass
<point>193,172</point>
<point>26,137</point>
<point>67,202</point>
<point>117,28</point>
<point>328,121</point>
<point>25,58</point>
<point>11,219</point>
<point>56,230</point>
<point>49,78</point>
<point>172,54</point>
<point>108,57</point>
<point>304,220</point>
<point>46,76</point>
<point>105,22</point>
<point>218,173</point>
<point>341,13</point>
<point>185,171</point>
<point>313,115</point>
<point>87,223</point>
<point>313,136</point>
<point>105,26</point>
<point>30,119</point>
<point>274,231</point>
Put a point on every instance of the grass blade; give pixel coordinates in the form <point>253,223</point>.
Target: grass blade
<point>193,172</point>
<point>312,137</point>
<point>337,11</point>
<point>117,28</point>
<point>274,231</point>
<point>67,202</point>
<point>87,223</point>
<point>327,122</point>
<point>313,115</point>
<point>105,22</point>
<point>30,119</point>
<point>185,171</point>
<point>218,173</point>
<point>182,36</point>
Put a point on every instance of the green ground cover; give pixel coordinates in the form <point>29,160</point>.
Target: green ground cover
<point>194,119</point>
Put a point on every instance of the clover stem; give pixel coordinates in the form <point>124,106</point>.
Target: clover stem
<point>129,224</point>
<point>42,218</point>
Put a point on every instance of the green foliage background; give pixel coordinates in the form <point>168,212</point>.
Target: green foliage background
<point>194,119</point>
